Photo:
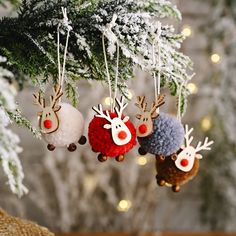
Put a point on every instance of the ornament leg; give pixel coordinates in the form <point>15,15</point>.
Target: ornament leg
<point>174,157</point>
<point>176,188</point>
<point>102,158</point>
<point>160,158</point>
<point>72,147</point>
<point>82,140</point>
<point>141,151</point>
<point>161,182</point>
<point>51,147</point>
<point>120,158</point>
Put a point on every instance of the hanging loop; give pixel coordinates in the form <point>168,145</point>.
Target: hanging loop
<point>158,63</point>
<point>108,33</point>
<point>65,24</point>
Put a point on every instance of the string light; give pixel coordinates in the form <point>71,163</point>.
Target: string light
<point>206,123</point>
<point>124,205</point>
<point>187,31</point>
<point>215,58</point>
<point>107,101</point>
<point>142,160</point>
<point>193,89</point>
<point>90,182</point>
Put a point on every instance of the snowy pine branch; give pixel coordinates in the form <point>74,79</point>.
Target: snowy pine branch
<point>9,142</point>
<point>29,40</point>
<point>21,121</point>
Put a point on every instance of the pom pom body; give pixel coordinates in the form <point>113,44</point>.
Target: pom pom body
<point>167,136</point>
<point>101,140</point>
<point>168,172</point>
<point>71,127</point>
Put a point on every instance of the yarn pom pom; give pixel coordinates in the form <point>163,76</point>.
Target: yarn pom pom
<point>71,127</point>
<point>167,136</point>
<point>101,140</point>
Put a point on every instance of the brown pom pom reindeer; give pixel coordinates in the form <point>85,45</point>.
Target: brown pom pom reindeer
<point>178,168</point>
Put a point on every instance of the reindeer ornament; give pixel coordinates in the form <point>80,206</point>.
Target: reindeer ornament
<point>61,124</point>
<point>180,167</point>
<point>158,134</point>
<point>111,133</point>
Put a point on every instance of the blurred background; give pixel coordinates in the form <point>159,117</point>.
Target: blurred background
<point>74,192</point>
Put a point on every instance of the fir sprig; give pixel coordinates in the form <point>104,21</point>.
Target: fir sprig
<point>21,121</point>
<point>29,40</point>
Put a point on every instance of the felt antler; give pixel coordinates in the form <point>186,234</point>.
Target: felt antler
<point>205,146</point>
<point>187,134</point>
<point>101,114</point>
<point>57,93</point>
<point>122,105</point>
<point>141,104</point>
<point>160,101</point>
<point>38,100</point>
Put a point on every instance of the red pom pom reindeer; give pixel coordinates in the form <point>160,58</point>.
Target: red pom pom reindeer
<point>180,167</point>
<point>111,133</point>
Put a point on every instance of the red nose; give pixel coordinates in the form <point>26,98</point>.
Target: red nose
<point>142,129</point>
<point>47,124</point>
<point>184,162</point>
<point>122,135</point>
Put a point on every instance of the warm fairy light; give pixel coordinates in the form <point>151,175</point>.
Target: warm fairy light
<point>142,161</point>
<point>215,58</point>
<point>124,205</point>
<point>90,182</point>
<point>193,89</point>
<point>187,31</point>
<point>107,101</point>
<point>206,123</point>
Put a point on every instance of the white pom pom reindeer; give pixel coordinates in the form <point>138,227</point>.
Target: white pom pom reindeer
<point>61,124</point>
<point>185,159</point>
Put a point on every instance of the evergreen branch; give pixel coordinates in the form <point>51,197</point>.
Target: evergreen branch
<point>72,92</point>
<point>29,40</point>
<point>21,121</point>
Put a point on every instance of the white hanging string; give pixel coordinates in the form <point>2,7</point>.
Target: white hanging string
<point>64,23</point>
<point>159,60</point>
<point>179,100</point>
<point>58,54</point>
<point>117,75</point>
<point>154,74</point>
<point>109,31</point>
<point>107,70</point>
<point>157,79</point>
<point>64,60</point>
